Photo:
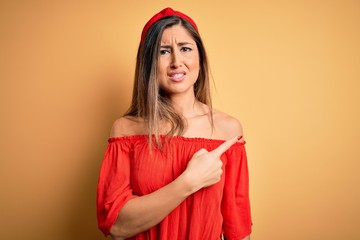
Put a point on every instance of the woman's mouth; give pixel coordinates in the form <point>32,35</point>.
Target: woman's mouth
<point>177,76</point>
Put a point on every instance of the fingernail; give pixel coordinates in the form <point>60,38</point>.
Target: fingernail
<point>239,137</point>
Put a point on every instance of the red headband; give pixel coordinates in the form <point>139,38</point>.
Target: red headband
<point>166,12</point>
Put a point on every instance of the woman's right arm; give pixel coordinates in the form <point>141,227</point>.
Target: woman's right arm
<point>142,213</point>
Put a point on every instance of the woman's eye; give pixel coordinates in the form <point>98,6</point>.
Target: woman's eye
<point>186,49</point>
<point>162,52</point>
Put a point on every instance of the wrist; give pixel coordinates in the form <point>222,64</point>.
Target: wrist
<point>186,185</point>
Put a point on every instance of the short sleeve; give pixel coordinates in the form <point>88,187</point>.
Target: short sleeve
<point>113,189</point>
<point>235,206</point>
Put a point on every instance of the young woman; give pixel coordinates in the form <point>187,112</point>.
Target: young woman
<point>168,172</point>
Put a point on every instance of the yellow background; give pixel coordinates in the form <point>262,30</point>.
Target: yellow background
<point>288,70</point>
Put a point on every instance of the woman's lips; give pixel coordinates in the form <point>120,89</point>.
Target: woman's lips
<point>177,77</point>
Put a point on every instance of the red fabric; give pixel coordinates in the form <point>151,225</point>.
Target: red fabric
<point>166,12</point>
<point>128,171</point>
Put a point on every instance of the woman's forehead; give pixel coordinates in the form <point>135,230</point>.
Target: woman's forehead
<point>176,34</point>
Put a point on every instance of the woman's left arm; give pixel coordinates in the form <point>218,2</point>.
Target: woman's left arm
<point>236,202</point>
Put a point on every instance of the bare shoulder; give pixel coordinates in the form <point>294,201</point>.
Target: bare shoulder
<point>127,126</point>
<point>226,126</point>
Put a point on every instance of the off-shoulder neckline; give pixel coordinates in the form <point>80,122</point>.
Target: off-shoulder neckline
<point>179,138</point>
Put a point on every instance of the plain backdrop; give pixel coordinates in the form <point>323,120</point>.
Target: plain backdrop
<point>288,70</point>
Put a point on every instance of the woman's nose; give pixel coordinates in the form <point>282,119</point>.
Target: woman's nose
<point>176,60</point>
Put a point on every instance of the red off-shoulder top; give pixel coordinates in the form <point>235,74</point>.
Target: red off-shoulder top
<point>128,170</point>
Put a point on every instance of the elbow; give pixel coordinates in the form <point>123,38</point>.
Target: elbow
<point>246,238</point>
<point>117,233</point>
<point>120,231</point>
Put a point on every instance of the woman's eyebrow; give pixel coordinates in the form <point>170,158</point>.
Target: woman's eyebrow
<point>184,43</point>
<point>179,44</point>
<point>166,46</point>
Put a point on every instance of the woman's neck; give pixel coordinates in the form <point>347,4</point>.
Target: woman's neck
<point>188,106</point>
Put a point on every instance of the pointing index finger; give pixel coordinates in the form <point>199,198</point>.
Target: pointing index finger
<point>226,145</point>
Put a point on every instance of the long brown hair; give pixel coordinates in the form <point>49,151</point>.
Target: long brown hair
<point>148,101</point>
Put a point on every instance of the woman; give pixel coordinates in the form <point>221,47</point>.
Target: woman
<point>168,172</point>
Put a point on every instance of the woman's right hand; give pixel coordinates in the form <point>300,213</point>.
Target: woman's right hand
<point>204,168</point>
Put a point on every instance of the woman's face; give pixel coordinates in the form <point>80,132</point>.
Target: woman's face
<point>178,63</point>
